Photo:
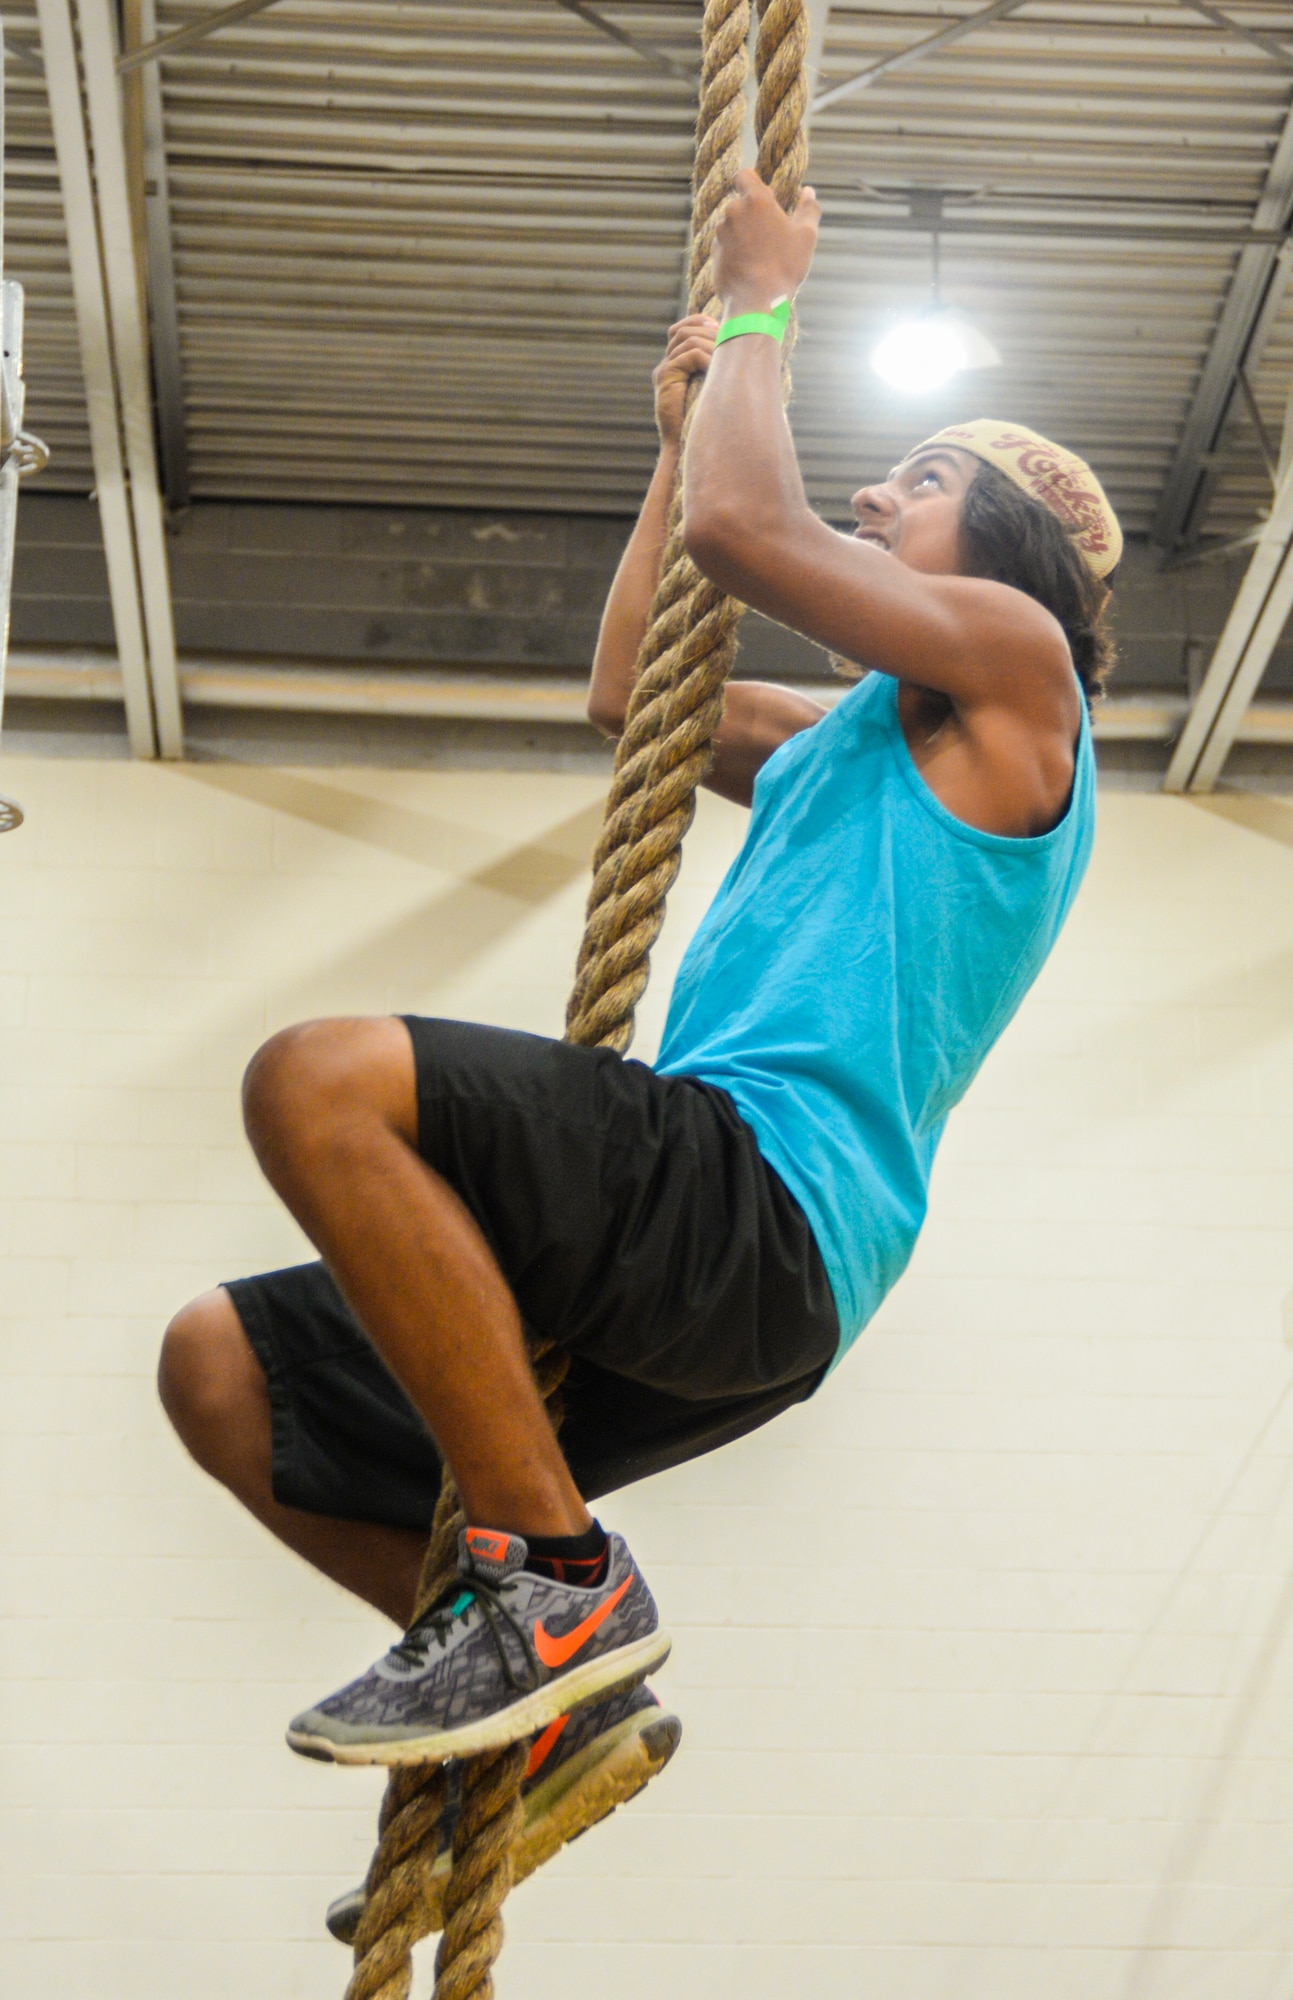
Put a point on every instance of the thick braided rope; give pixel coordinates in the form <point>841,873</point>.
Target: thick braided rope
<point>394,1916</point>
<point>677,704</point>
<point>690,644</point>
<point>394,1913</point>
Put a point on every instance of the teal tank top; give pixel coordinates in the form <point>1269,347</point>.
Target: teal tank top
<point>861,956</point>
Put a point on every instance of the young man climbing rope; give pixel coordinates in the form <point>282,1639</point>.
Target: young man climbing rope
<point>705,1237</point>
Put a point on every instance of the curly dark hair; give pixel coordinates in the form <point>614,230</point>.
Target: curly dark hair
<point>1011,538</point>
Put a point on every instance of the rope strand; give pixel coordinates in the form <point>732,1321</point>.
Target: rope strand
<point>677,704</point>
<point>689,648</point>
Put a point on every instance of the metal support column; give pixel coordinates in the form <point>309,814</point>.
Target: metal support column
<point>10,810</point>
<point>96,20</point>
<point>1257,617</point>
<point>1252,301</point>
<point>114,361</point>
<point>19,451</point>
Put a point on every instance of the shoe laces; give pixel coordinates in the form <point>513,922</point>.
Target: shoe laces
<point>435,1624</point>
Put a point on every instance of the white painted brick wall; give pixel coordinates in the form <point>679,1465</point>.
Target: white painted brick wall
<point>983,1656</point>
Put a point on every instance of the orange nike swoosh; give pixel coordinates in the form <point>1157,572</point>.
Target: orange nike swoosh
<point>542,1748</point>
<point>555,1652</point>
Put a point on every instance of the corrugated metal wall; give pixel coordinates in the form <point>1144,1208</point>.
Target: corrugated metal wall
<point>425,253</point>
<point>427,250</point>
<point>1064,119</point>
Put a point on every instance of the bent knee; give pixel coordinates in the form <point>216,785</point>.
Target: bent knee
<point>306,1079</point>
<point>211,1385</point>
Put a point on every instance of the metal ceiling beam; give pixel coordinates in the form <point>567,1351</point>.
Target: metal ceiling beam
<point>224,17</point>
<point>184,38</point>
<point>1268,452</point>
<point>269,686</point>
<point>11,813</point>
<point>1256,289</point>
<point>659,59</point>
<point>903,58</point>
<point>1278,51</point>
<point>20,51</point>
<point>98,365</point>
<point>841,218</point>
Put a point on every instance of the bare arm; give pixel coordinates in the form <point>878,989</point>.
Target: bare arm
<point>750,528</point>
<point>624,619</point>
<point>688,352</point>
<point>757,718</point>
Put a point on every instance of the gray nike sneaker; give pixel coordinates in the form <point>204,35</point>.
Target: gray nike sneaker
<point>500,1655</point>
<point>581,1768</point>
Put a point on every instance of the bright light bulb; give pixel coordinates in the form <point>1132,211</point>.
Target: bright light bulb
<point>922,354</point>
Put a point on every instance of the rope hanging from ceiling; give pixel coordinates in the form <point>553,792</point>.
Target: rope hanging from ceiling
<point>677,704</point>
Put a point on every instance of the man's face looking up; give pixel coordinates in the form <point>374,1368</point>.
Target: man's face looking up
<point>916,514</point>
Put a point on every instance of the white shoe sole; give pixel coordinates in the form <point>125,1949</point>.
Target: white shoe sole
<point>586,1790</point>
<point>507,1725</point>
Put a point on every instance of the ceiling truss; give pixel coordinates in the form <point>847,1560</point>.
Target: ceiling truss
<point>275,193</point>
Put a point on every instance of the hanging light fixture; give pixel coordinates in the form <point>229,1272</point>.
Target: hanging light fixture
<point>925,350</point>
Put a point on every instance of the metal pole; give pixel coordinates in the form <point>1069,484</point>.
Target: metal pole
<point>1246,319</point>
<point>1237,662</point>
<point>130,350</point>
<point>10,811</point>
<point>19,451</point>
<point>1265,638</point>
<point>97,366</point>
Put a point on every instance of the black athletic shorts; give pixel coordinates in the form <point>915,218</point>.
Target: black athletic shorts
<point>637,1224</point>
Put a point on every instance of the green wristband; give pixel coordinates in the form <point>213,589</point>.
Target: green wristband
<point>774,322</point>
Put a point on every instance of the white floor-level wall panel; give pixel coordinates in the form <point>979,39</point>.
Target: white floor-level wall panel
<point>984,1656</point>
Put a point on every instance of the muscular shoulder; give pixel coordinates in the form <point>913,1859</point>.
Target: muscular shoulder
<point>1014,653</point>
<point>1003,762</point>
